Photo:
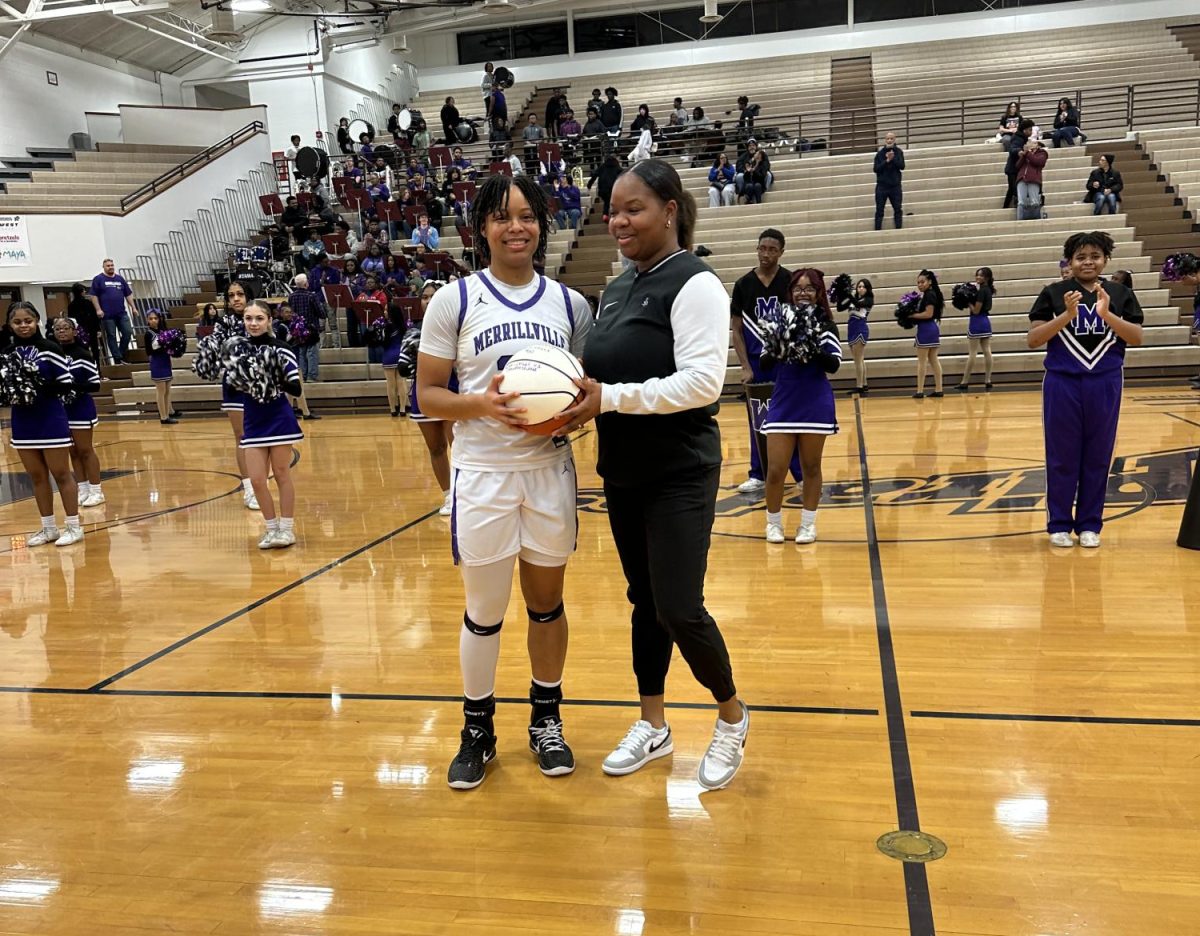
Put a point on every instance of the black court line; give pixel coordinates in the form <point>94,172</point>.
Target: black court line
<point>410,697</point>
<point>283,590</point>
<point>1190,422</point>
<point>1062,719</point>
<point>916,882</point>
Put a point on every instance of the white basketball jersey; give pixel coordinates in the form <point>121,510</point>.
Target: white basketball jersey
<point>479,323</point>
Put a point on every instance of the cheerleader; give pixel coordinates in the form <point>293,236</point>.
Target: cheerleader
<point>270,429</point>
<point>438,433</point>
<point>40,431</point>
<point>160,367</point>
<point>392,338</point>
<point>979,329</point>
<point>929,333</point>
<point>1085,324</point>
<point>801,414</point>
<point>81,412</point>
<point>234,403</point>
<point>858,333</point>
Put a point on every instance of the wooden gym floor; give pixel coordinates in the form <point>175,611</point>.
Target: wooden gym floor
<point>198,737</point>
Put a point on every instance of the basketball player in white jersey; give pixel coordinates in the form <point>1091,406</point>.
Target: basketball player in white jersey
<point>513,493</point>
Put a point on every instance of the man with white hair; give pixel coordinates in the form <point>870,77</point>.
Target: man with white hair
<point>889,172</point>
<point>310,306</point>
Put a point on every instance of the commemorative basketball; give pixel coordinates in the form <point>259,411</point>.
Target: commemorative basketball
<point>545,377</point>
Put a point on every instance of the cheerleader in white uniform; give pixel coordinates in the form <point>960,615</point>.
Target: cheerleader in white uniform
<point>801,414</point>
<point>40,432</point>
<point>81,412</point>
<point>438,433</point>
<point>269,431</point>
<point>234,403</point>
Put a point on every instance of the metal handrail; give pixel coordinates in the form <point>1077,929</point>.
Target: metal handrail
<point>204,156</point>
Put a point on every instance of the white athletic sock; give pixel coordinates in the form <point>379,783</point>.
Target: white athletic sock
<point>807,517</point>
<point>48,522</point>
<point>478,655</point>
<point>95,488</point>
<point>85,488</point>
<point>272,525</point>
<point>776,518</point>
<point>547,685</point>
<point>247,486</point>
<point>73,521</point>
<point>287,524</point>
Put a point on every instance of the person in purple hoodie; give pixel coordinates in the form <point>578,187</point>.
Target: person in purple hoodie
<point>111,296</point>
<point>570,208</point>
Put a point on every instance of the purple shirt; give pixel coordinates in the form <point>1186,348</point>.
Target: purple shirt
<point>111,291</point>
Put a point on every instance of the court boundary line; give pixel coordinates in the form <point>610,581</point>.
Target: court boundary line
<point>916,881</point>
<point>1061,719</point>
<point>257,603</point>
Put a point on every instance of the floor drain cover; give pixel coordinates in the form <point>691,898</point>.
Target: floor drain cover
<point>911,846</point>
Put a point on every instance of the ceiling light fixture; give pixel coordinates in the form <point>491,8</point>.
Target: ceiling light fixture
<point>711,15</point>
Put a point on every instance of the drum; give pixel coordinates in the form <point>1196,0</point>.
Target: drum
<point>502,77</point>
<point>312,163</point>
<point>358,127</point>
<point>466,132</point>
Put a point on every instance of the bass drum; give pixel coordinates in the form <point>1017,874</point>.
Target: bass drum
<point>358,127</point>
<point>467,132</point>
<point>503,77</point>
<point>312,163</point>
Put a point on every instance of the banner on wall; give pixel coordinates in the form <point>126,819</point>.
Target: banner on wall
<point>14,241</point>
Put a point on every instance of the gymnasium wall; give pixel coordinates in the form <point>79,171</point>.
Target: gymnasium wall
<point>436,55</point>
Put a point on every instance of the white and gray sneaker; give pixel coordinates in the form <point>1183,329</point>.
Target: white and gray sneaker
<point>268,540</point>
<point>806,534</point>
<point>1061,540</point>
<point>724,755</point>
<point>69,536</point>
<point>642,744</point>
<point>93,499</point>
<point>775,533</point>
<point>752,486</point>
<point>251,501</point>
<point>42,537</point>
<point>1089,540</point>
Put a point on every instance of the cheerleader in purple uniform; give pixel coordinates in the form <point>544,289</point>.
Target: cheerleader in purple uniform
<point>438,433</point>
<point>858,333</point>
<point>929,333</point>
<point>1085,324</point>
<point>393,337</point>
<point>160,367</point>
<point>233,403</point>
<point>81,412</point>
<point>269,431</point>
<point>801,414</point>
<point>979,329</point>
<point>40,432</point>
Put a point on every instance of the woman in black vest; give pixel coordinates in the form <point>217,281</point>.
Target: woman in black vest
<point>656,359</point>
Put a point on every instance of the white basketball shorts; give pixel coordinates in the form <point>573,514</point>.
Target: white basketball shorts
<point>500,514</point>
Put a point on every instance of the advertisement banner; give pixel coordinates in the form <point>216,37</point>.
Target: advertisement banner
<point>14,241</point>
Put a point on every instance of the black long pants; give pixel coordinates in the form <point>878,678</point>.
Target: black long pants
<point>662,531</point>
<point>1010,194</point>
<point>884,194</point>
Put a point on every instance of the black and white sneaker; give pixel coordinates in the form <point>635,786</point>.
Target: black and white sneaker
<point>469,766</point>
<point>546,741</point>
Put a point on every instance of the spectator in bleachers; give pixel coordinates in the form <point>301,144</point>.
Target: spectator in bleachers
<point>643,119</point>
<point>597,100</point>
<point>424,234</point>
<point>1064,269</point>
<point>393,124</point>
<point>345,144</point>
<point>325,274</point>
<point>610,111</point>
<point>721,189</point>
<point>645,146</point>
<point>453,176</point>
<point>373,262</point>
<point>680,112</point>
<point>393,275</point>
<point>498,138</point>
<point>1010,122</point>
<point>451,118</point>
<point>413,169</point>
<point>355,169</point>
<point>699,121</point>
<point>569,130</point>
<point>1016,145</point>
<point>356,281</point>
<point>486,87</point>
<point>1030,163</point>
<point>377,189</point>
<point>746,113</point>
<point>343,227</point>
<point>375,236</point>
<point>570,203</point>
<point>553,113</point>
<point>499,110</point>
<point>111,298</point>
<point>461,163</point>
<point>208,317</point>
<point>605,177</point>
<point>312,248</point>
<point>533,134</point>
<point>83,312</point>
<point>1104,186</point>
<point>422,139</point>
<point>295,219</point>
<point>365,149</point>
<point>755,170</point>
<point>515,163</point>
<point>1066,124</point>
<point>307,303</point>
<point>371,291</point>
<point>889,181</point>
<point>593,137</point>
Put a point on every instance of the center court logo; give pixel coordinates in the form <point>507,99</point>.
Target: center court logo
<point>1135,481</point>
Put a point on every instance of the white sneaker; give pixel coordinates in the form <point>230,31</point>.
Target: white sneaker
<point>1089,540</point>
<point>93,499</point>
<point>807,533</point>
<point>250,501</point>
<point>1062,539</point>
<point>775,533</point>
<point>752,486</point>
<point>724,755</point>
<point>42,537</point>
<point>283,539</point>
<point>447,507</point>
<point>70,536</point>
<point>268,540</point>
<point>642,744</point>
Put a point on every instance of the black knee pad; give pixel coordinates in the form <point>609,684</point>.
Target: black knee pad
<point>480,631</point>
<point>545,617</point>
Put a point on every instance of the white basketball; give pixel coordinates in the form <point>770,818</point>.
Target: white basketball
<point>545,377</point>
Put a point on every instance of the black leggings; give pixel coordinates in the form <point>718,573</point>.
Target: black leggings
<point>662,533</point>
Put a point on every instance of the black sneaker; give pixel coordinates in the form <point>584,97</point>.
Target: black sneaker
<point>469,766</point>
<point>546,741</point>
